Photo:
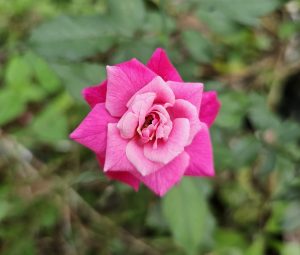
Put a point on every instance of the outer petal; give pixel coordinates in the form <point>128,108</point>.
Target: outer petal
<point>188,91</point>
<point>210,107</point>
<point>125,177</point>
<point>161,65</point>
<point>165,178</point>
<point>167,151</point>
<point>95,94</point>
<point>101,159</point>
<point>201,155</point>
<point>163,93</point>
<point>116,159</point>
<point>92,131</point>
<point>184,109</point>
<point>122,176</point>
<point>135,154</point>
<point>123,81</point>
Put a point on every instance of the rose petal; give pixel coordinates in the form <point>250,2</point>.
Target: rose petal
<point>125,177</point>
<point>161,65</point>
<point>165,178</point>
<point>92,131</point>
<point>167,151</point>
<point>128,125</point>
<point>184,109</point>
<point>116,159</point>
<point>122,176</point>
<point>210,107</point>
<point>163,93</point>
<point>123,81</point>
<point>201,155</point>
<point>95,94</point>
<point>101,159</point>
<point>135,154</point>
<point>188,91</point>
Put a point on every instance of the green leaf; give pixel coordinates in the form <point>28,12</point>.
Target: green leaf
<point>260,115</point>
<point>186,212</point>
<point>274,223</point>
<point>188,69</point>
<point>257,247</point>
<point>18,73</point>
<point>248,12</point>
<point>222,16</point>
<point>155,23</point>
<point>289,131</point>
<point>229,240</point>
<point>214,18</point>
<point>287,29</point>
<point>32,93</point>
<point>198,46</point>
<point>126,16</point>
<point>155,219</point>
<point>72,37</point>
<point>141,49</point>
<point>50,125</point>
<point>24,246</point>
<point>11,105</point>
<point>45,213</point>
<point>30,77</point>
<point>233,110</point>
<point>5,208</point>
<point>45,76</point>
<point>75,77</point>
<point>245,150</point>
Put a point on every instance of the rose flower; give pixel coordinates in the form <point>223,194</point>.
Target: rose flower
<point>147,125</point>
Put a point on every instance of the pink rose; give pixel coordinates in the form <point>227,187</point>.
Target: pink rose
<point>147,125</point>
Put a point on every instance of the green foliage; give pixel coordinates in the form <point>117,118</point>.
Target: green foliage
<point>119,13</point>
<point>257,248</point>
<point>11,105</point>
<point>28,78</point>
<point>53,200</point>
<point>72,37</point>
<point>198,46</point>
<point>44,74</point>
<point>187,213</point>
<point>47,127</point>
<point>76,76</point>
<point>235,105</point>
<point>291,249</point>
<point>224,15</point>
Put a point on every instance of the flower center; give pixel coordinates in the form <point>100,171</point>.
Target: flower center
<point>148,121</point>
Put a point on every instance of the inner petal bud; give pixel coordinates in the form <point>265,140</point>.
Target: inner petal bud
<point>138,106</point>
<point>157,125</point>
<point>148,121</point>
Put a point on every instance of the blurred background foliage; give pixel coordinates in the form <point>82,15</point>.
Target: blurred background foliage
<point>54,199</point>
